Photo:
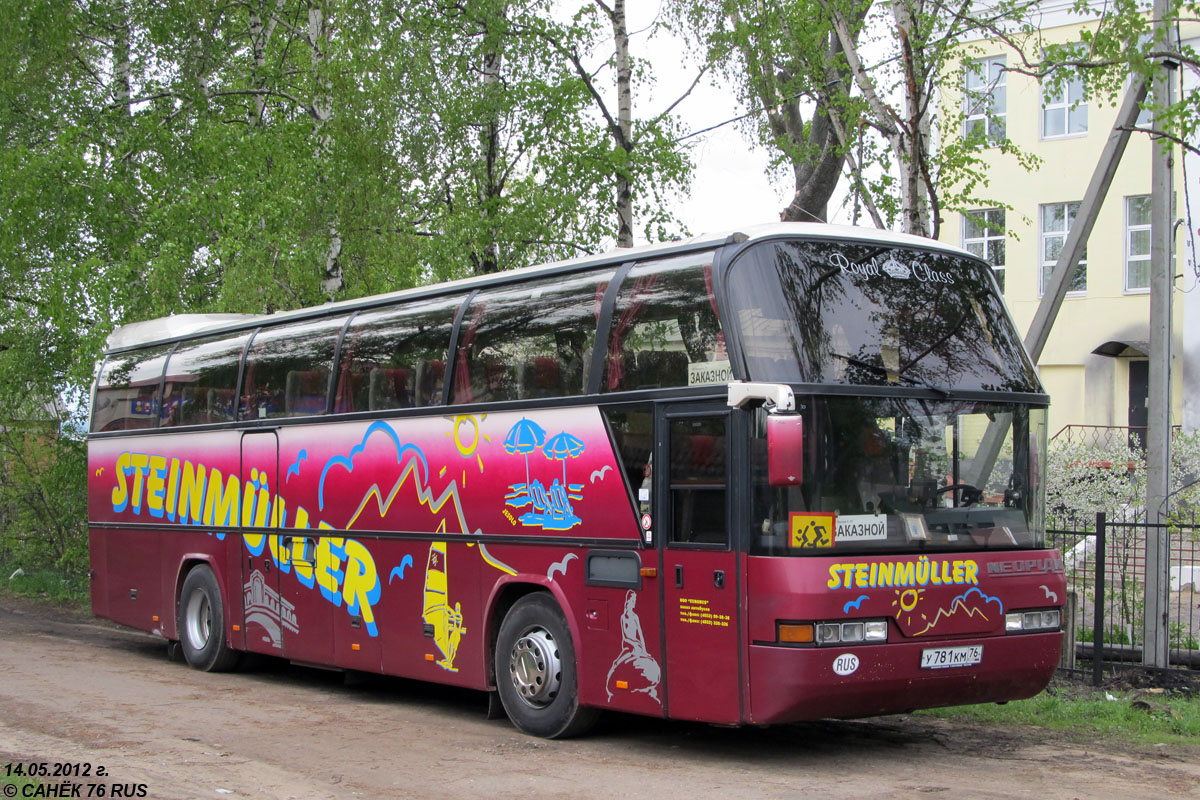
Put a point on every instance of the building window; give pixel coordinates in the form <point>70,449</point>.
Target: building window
<point>1137,243</point>
<point>983,235</point>
<point>985,99</point>
<point>1056,219</point>
<point>1064,109</point>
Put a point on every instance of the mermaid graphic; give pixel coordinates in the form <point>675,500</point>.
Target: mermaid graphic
<point>641,665</point>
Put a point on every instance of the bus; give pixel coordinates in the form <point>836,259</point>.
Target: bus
<point>787,473</point>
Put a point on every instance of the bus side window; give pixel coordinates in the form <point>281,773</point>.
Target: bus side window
<point>633,434</point>
<point>389,387</point>
<point>526,342</point>
<point>665,328</point>
<point>394,357</point>
<point>127,395</point>
<point>305,392</point>
<point>204,373</point>
<point>287,369</point>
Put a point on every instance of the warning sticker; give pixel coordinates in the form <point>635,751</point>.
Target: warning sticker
<point>811,530</point>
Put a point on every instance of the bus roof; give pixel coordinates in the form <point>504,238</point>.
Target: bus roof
<point>178,326</point>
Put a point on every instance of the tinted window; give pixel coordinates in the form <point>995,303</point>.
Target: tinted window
<point>876,315</point>
<point>633,433</point>
<point>898,475</point>
<point>127,392</point>
<point>698,480</point>
<point>396,357</point>
<point>202,379</point>
<point>287,370</point>
<point>665,328</point>
<point>531,340</point>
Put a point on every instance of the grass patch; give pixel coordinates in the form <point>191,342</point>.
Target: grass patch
<point>45,584</point>
<point>15,780</point>
<point>1141,716</point>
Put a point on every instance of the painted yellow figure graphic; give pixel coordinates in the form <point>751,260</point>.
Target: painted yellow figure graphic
<point>447,622</point>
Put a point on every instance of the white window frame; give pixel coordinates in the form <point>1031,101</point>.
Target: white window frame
<point>990,88</point>
<point>1131,257</point>
<point>1047,265</point>
<point>992,232</point>
<point>1071,102</point>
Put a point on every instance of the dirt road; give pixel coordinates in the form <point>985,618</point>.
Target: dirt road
<point>76,691</point>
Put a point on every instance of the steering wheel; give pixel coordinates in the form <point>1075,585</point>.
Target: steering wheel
<point>970,494</point>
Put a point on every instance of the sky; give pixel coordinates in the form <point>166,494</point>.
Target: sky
<point>730,187</point>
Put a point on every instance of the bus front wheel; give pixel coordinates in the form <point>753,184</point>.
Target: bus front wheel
<point>201,623</point>
<point>536,670</point>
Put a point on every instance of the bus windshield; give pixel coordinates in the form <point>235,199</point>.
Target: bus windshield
<point>874,314</point>
<point>901,475</point>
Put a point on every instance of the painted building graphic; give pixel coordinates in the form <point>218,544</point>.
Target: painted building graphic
<point>266,609</point>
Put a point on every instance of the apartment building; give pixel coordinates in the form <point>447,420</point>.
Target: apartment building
<point>1095,362</point>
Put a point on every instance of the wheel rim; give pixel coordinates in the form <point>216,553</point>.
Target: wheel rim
<point>199,620</point>
<point>536,668</point>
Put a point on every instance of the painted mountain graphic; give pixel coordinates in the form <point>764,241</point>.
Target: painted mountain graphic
<point>383,483</point>
<point>970,612</point>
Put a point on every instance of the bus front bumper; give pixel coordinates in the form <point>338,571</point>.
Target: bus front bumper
<point>791,684</point>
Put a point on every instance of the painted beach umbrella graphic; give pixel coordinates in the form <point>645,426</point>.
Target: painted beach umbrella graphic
<point>524,437</point>
<point>562,446</point>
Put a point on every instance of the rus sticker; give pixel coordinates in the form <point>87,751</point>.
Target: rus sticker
<point>845,664</point>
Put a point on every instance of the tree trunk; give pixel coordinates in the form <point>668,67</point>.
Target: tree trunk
<point>624,123</point>
<point>322,112</point>
<point>912,136</point>
<point>492,186</point>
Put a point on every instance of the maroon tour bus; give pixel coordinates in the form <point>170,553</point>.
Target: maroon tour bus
<point>783,474</point>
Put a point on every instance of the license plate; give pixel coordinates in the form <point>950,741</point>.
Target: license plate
<point>943,657</point>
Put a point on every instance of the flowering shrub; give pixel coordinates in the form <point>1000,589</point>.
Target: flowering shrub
<point>1110,476</point>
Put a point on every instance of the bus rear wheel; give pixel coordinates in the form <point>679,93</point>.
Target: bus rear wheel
<point>536,670</point>
<point>200,621</point>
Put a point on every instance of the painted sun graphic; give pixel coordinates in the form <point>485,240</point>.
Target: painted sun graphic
<point>466,434</point>
<point>906,601</point>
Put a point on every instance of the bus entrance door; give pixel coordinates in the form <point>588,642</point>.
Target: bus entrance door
<point>700,568</point>
<point>262,609</point>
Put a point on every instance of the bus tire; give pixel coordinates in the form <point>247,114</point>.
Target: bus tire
<point>201,623</point>
<point>536,670</point>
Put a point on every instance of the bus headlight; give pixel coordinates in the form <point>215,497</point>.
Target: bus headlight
<point>1041,619</point>
<point>871,630</point>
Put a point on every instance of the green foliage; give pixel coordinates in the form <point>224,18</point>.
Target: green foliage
<point>1083,478</point>
<point>1182,639</point>
<point>1084,714</point>
<point>180,156</point>
<point>45,584</point>
<point>1111,636</point>
<point>1119,40</point>
<point>850,85</point>
<point>19,782</point>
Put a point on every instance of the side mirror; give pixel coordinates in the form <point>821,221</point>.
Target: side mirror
<point>785,449</point>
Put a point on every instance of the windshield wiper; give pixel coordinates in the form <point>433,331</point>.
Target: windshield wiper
<point>899,373</point>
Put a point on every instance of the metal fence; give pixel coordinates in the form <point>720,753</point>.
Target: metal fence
<point>1106,581</point>
<point>1104,436</point>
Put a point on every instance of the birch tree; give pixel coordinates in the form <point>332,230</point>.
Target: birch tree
<point>851,88</point>
<point>641,158</point>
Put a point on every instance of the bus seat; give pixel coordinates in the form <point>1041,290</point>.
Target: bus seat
<point>660,368</point>
<point>348,397</point>
<point>388,388</point>
<point>304,392</point>
<point>220,405</point>
<point>541,377</point>
<point>498,382</point>
<point>429,382</point>
<point>700,459</point>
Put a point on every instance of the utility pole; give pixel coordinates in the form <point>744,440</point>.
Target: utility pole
<point>1158,426</point>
